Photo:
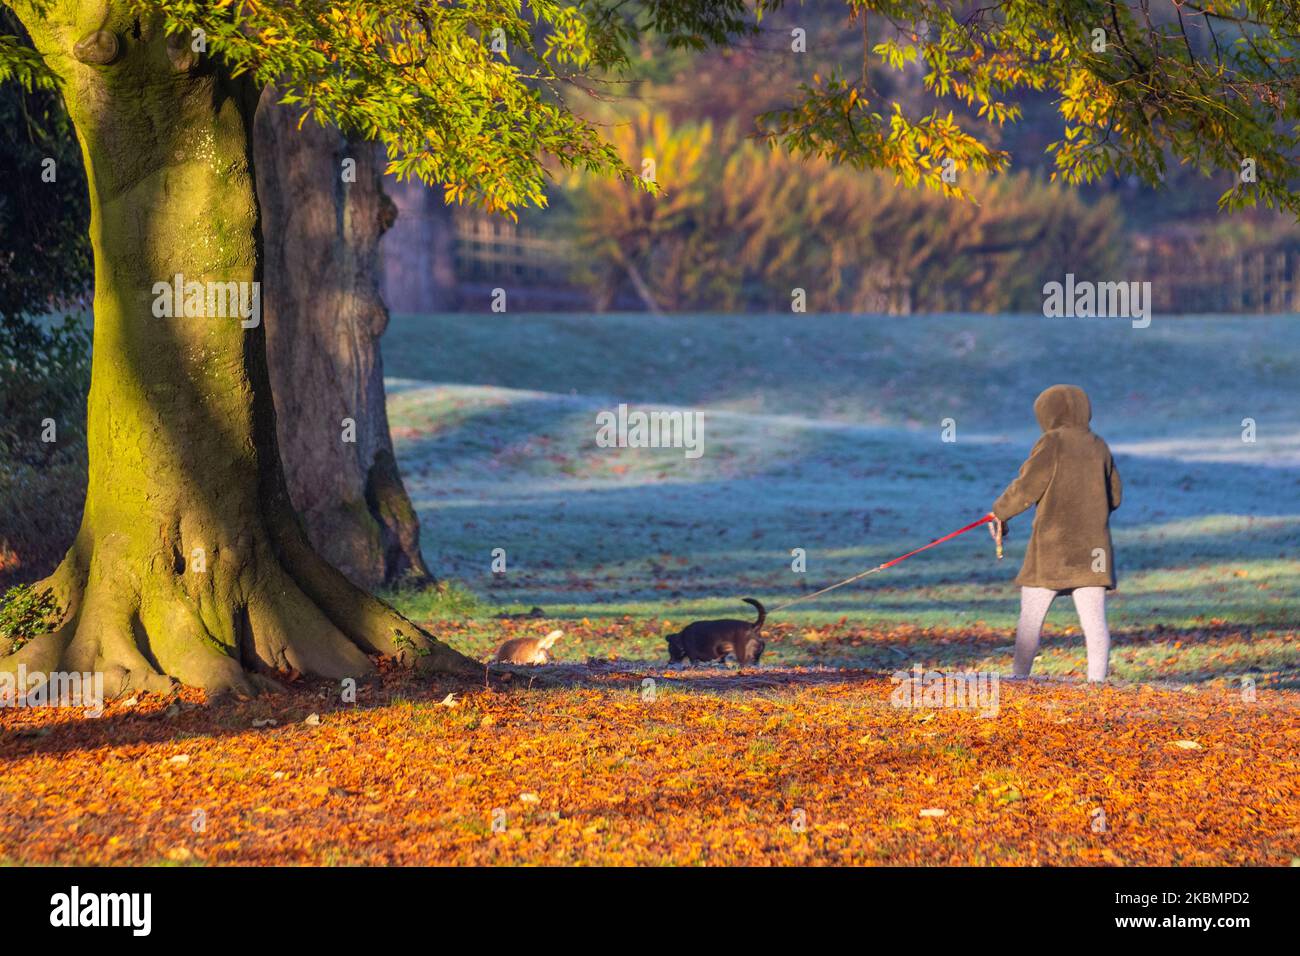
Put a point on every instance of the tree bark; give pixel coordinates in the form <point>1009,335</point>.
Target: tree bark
<point>323,213</point>
<point>190,562</point>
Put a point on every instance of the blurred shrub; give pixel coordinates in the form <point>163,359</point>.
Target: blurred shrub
<point>45,267</point>
<point>738,227</point>
<point>44,377</point>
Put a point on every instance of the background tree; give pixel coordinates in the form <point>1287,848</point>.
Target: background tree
<point>324,211</point>
<point>739,226</point>
<point>419,260</point>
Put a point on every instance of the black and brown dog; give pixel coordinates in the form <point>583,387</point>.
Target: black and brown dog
<point>714,640</point>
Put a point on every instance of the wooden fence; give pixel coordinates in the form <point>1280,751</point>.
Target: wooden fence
<point>1198,278</point>
<point>494,247</point>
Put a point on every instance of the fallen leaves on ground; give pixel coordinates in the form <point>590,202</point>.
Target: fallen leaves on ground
<point>630,762</point>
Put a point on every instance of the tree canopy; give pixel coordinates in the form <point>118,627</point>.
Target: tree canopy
<point>1136,85</point>
<point>472,95</point>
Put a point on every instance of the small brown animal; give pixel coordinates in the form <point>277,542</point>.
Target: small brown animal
<point>527,650</point>
<point>714,640</point>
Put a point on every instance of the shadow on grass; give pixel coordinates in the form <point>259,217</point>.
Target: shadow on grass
<point>864,663</point>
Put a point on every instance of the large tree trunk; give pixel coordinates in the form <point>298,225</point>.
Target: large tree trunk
<point>322,220</point>
<point>190,562</point>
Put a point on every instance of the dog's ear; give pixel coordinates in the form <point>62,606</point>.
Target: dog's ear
<point>759,647</point>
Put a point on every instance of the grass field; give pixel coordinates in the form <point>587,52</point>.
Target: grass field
<point>824,433</point>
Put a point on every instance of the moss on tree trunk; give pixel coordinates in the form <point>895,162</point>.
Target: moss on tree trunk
<point>190,562</point>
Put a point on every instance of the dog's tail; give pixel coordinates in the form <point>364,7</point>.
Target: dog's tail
<point>549,640</point>
<point>762,612</point>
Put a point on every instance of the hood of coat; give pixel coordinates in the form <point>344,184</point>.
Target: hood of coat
<point>1063,406</point>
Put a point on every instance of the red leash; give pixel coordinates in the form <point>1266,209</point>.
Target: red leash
<point>974,524</point>
<point>889,564</point>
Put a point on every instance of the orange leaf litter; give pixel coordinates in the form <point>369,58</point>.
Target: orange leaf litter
<point>579,764</point>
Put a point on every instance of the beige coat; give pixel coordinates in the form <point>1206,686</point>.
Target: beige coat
<point>1071,476</point>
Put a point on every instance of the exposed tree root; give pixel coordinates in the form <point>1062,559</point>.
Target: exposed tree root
<point>232,627</point>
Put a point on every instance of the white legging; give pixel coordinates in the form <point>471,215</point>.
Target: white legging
<point>1091,605</point>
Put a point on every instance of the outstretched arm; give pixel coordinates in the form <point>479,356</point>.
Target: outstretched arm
<point>1029,485</point>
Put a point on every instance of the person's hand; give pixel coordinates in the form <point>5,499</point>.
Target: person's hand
<point>997,531</point>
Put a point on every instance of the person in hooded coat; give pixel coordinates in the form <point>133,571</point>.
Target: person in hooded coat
<point>1071,477</point>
